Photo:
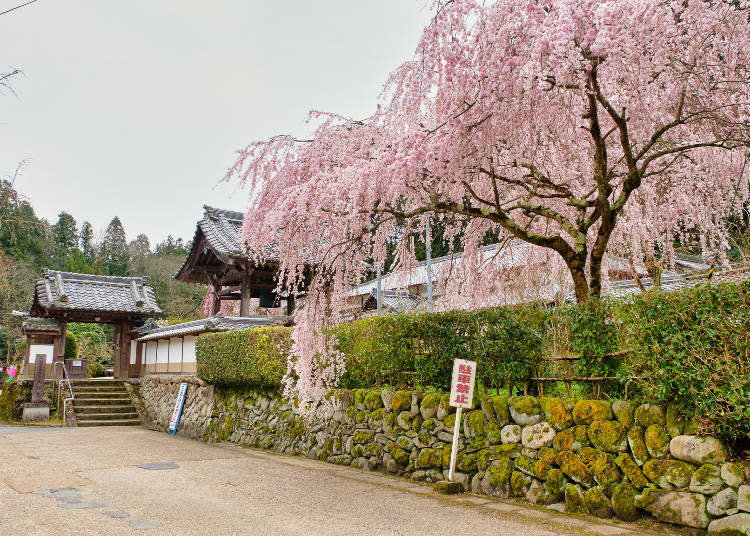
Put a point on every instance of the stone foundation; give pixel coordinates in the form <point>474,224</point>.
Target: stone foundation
<point>587,456</point>
<point>155,396</point>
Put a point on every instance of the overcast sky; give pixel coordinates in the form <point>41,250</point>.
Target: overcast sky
<point>135,108</point>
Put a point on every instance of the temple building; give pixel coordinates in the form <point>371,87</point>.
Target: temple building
<point>62,297</point>
<point>217,259</point>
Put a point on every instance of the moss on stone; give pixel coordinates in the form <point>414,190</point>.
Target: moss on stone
<point>574,468</point>
<point>429,425</point>
<point>469,462</point>
<point>363,416</point>
<point>648,414</point>
<point>588,411</point>
<point>446,455</point>
<point>351,412</point>
<point>519,483</point>
<point>657,440</point>
<point>669,474</point>
<point>525,465</point>
<point>589,455</point>
<point>608,436</point>
<point>502,413</point>
<point>416,422</point>
<point>430,401</point>
<point>707,480</point>
<point>637,444</point>
<point>362,436</point>
<point>376,417</point>
<point>400,455</point>
<point>475,422</point>
<point>630,469</point>
<point>623,502</point>
<point>500,472</point>
<point>401,401</point>
<point>573,438</point>
<point>390,419</point>
<point>675,421</point>
<point>450,421</point>
<point>358,395</point>
<point>430,459</point>
<point>556,413</point>
<point>555,484</point>
<point>624,412</point>
<point>547,455</point>
<point>606,473</point>
<point>373,400</point>
<point>575,502</point>
<point>445,404</point>
<point>597,502</point>
<point>493,432</point>
<point>525,405</point>
<point>541,468</point>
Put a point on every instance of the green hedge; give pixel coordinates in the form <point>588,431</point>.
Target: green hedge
<point>244,357</point>
<point>384,350</point>
<point>693,348</point>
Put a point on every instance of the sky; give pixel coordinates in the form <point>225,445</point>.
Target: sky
<point>135,108</point>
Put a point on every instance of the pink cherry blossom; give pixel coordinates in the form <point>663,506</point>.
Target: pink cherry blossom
<point>580,127</point>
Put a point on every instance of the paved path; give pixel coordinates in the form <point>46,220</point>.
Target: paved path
<point>86,481</point>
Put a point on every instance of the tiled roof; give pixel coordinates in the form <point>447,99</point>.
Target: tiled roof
<point>222,229</point>
<point>33,323</point>
<point>214,323</point>
<point>65,291</point>
<point>398,301</point>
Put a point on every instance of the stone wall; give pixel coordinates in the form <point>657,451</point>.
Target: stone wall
<point>587,456</point>
<point>155,396</point>
<point>13,395</point>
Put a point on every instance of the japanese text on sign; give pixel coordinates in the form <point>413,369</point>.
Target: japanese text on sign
<point>462,384</point>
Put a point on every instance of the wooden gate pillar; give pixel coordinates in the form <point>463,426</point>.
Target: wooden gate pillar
<point>59,353</point>
<point>122,355</point>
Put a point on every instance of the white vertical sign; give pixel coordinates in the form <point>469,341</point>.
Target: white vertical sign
<point>462,395</point>
<point>177,412</point>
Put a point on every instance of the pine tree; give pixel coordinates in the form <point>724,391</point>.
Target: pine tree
<point>87,242</point>
<point>114,249</point>
<point>65,238</point>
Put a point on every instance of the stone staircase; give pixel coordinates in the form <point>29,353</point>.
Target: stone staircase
<point>103,402</point>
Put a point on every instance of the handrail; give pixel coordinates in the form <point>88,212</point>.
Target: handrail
<point>65,378</point>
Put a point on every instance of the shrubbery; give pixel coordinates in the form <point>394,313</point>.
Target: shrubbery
<point>380,350</point>
<point>244,357</point>
<point>690,347</point>
<point>693,348</point>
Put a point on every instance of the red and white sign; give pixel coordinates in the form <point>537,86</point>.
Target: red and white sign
<point>462,384</point>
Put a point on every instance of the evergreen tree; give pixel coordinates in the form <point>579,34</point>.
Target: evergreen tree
<point>65,238</point>
<point>114,249</point>
<point>87,242</point>
<point>140,247</point>
<point>76,262</point>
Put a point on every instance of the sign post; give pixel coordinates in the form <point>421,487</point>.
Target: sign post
<point>462,394</point>
<point>177,412</point>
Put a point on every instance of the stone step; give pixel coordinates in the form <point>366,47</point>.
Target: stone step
<point>109,401</point>
<point>84,410</point>
<point>96,383</point>
<point>95,394</point>
<point>99,389</point>
<point>111,422</point>
<point>96,417</point>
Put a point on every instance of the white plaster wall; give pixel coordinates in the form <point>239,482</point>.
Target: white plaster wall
<point>47,349</point>
<point>150,352</point>
<point>188,350</point>
<point>162,352</point>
